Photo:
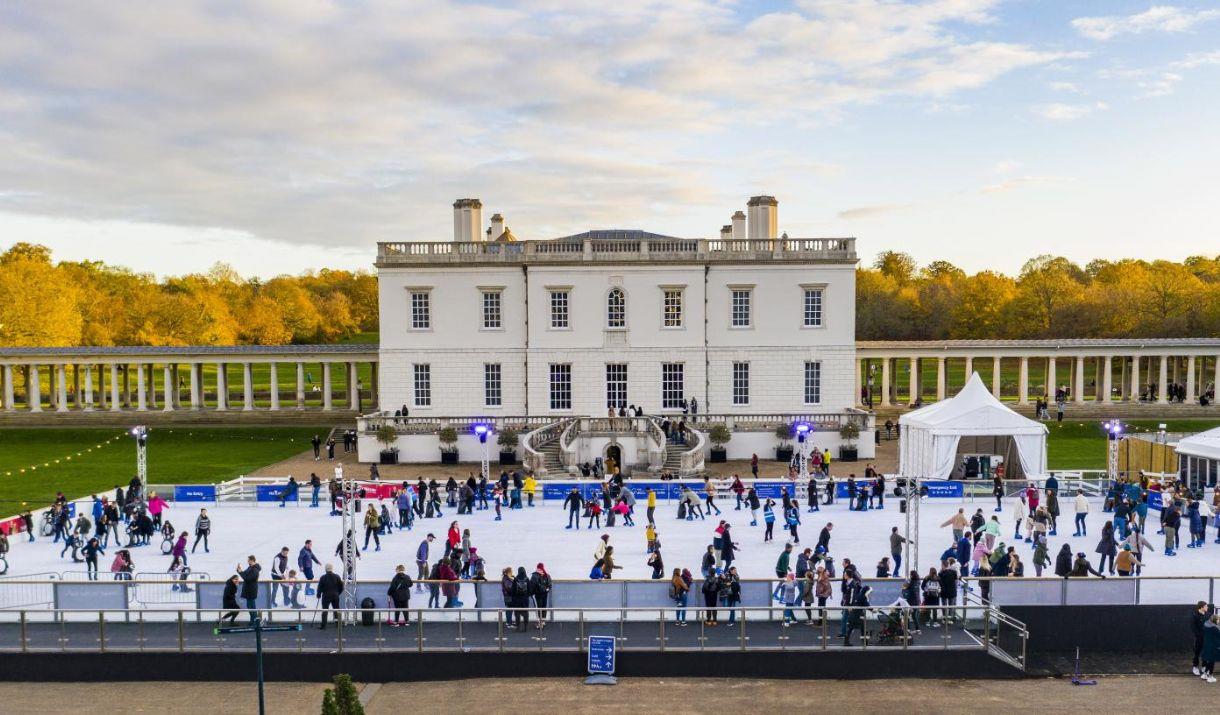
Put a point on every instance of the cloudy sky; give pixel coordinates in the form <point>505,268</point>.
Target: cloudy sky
<point>282,135</point>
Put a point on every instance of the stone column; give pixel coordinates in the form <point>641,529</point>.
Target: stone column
<point>940,378</point>
<point>141,392</point>
<point>167,376</point>
<point>353,386</point>
<point>1023,382</point>
<point>968,371</point>
<point>1162,386</point>
<point>300,386</point>
<point>275,386</point>
<point>222,388</point>
<point>1135,377</point>
<point>61,388</point>
<point>375,367</point>
<point>127,386</point>
<point>33,390</point>
<point>115,403</point>
<point>196,378</point>
<point>78,395</point>
<point>1052,381</point>
<point>859,382</point>
<point>996,385</point>
<point>326,397</point>
<point>1078,390</point>
<point>1190,378</point>
<point>885,381</point>
<point>1106,385</point>
<point>913,379</point>
<point>88,388</point>
<point>1216,377</point>
<point>8,387</point>
<point>247,387</point>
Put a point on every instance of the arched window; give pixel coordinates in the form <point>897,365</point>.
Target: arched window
<point>616,309</point>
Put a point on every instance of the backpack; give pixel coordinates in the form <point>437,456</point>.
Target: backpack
<point>521,587</point>
<point>932,588</point>
<point>673,592</point>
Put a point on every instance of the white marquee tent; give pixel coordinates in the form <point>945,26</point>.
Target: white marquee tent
<point>1204,444</point>
<point>972,422</point>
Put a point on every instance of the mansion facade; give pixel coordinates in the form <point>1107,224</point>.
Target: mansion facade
<point>750,322</point>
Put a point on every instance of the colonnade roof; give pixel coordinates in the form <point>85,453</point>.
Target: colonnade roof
<point>1039,344</point>
<point>191,350</point>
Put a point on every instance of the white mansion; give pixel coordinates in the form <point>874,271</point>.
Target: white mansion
<point>749,322</point>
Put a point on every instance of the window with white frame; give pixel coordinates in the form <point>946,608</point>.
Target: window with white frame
<point>673,387</point>
<point>616,384</point>
<point>492,385</point>
<point>561,386</point>
<point>741,383</point>
<point>421,310</point>
<point>559,309</point>
<point>813,382</point>
<point>491,310</point>
<point>813,308</point>
<point>616,309</point>
<point>740,307</point>
<point>672,308</point>
<point>423,385</point>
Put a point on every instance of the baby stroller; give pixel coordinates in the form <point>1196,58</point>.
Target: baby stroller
<point>892,629</point>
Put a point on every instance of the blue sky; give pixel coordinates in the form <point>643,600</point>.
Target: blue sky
<point>282,135</point>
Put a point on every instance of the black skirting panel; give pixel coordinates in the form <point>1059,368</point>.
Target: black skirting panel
<point>1108,629</point>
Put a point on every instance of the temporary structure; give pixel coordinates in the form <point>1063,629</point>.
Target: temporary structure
<point>1204,444</point>
<point>972,422</point>
<point>1199,458</point>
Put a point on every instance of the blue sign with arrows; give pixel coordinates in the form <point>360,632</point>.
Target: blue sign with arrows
<point>601,655</point>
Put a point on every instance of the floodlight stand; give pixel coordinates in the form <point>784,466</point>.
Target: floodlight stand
<point>485,464</point>
<point>348,488</point>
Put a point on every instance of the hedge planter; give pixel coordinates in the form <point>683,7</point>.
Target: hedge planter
<point>783,454</point>
<point>449,457</point>
<point>719,454</point>
<point>848,454</point>
<point>508,458</point>
<point>389,456</point>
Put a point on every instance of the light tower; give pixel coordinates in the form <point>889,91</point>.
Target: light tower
<point>484,431</point>
<point>348,488</point>
<point>140,433</point>
<point>1114,433</point>
<point>802,431</point>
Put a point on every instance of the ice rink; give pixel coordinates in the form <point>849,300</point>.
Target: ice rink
<point>528,536</point>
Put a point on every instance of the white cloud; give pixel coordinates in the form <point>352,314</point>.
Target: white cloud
<point>1070,87</point>
<point>867,212</point>
<point>329,123</point>
<point>1161,85</point>
<point>1060,112</point>
<point>1198,59</point>
<point>1158,18</point>
<point>1006,166</point>
<point>1020,182</point>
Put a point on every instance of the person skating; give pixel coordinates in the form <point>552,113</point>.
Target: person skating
<point>372,524</point>
<point>1081,505</point>
<point>896,542</point>
<point>305,561</point>
<point>203,528</point>
<point>279,571</point>
<point>657,562</point>
<point>752,503</point>
<point>1081,567</point>
<point>92,548</point>
<point>824,538</point>
<point>1107,547</point>
<point>290,491</point>
<point>769,520</point>
<point>315,487</point>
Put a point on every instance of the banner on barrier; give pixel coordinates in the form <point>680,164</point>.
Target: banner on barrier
<point>1154,500</point>
<point>195,493</point>
<point>944,490</point>
<point>275,492</point>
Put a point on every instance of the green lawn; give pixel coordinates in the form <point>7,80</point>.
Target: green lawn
<point>95,459</point>
<point>1082,445</point>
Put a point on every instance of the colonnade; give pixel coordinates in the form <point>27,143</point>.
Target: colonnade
<point>69,385</point>
<point>1159,377</point>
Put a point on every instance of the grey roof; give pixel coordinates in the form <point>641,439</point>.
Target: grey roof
<point>344,349</point>
<point>618,234</point>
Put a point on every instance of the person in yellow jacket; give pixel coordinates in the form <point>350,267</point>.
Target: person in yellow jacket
<point>531,486</point>
<point>650,536</point>
<point>652,506</point>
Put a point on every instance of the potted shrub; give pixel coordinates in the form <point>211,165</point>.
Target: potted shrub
<point>783,451</point>
<point>719,435</point>
<point>508,440</point>
<point>386,435</point>
<point>849,432</point>
<point>449,451</point>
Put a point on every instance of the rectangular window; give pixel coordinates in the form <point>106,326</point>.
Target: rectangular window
<point>813,307</point>
<point>813,382</point>
<point>741,383</point>
<point>423,385</point>
<point>741,308</point>
<point>673,388</point>
<point>421,310</point>
<point>491,310</point>
<point>559,309</point>
<point>616,385</point>
<point>672,303</point>
<point>561,386</point>
<point>492,385</point>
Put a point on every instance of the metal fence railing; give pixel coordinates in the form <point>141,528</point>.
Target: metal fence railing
<point>499,630</point>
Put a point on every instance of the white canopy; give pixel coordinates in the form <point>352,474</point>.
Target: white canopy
<point>930,437</point>
<point>1204,444</point>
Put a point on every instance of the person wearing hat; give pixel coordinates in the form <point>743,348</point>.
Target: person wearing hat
<point>1127,561</point>
<point>711,594</point>
<point>1081,568</point>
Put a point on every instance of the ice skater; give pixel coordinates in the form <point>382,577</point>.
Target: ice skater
<point>305,561</point>
<point>574,503</point>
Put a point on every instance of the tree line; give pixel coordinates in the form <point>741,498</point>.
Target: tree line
<point>1052,297</point>
<point>43,302</point>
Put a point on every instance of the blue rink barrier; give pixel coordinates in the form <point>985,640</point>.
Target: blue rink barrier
<point>945,490</point>
<point>199,493</point>
<point>274,492</point>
